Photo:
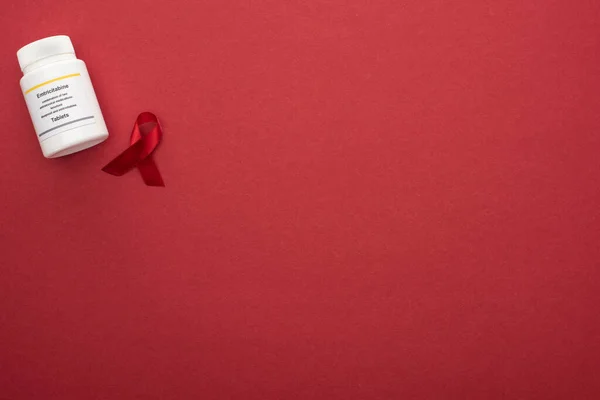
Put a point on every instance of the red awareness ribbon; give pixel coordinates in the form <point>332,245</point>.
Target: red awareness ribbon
<point>145,137</point>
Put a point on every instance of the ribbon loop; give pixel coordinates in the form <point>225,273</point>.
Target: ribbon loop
<point>145,137</point>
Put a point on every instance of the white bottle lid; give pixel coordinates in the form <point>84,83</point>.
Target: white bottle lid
<point>47,47</point>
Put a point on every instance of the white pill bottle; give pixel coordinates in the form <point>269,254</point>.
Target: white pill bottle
<point>60,97</point>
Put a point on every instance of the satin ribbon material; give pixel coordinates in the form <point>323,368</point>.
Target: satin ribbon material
<point>145,137</point>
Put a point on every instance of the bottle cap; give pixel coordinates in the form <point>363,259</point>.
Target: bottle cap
<point>47,47</point>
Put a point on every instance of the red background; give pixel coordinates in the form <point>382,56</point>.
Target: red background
<point>365,200</point>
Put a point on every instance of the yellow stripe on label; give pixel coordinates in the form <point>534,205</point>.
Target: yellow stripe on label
<point>52,80</point>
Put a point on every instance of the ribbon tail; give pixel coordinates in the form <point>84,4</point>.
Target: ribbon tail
<point>150,173</point>
<point>125,161</point>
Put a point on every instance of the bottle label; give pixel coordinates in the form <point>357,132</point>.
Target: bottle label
<point>60,104</point>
